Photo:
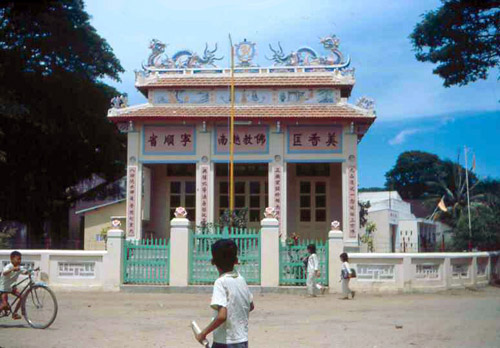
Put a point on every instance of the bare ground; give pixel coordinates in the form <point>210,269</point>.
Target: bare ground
<point>462,318</point>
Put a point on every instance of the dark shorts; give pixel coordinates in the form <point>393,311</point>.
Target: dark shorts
<point>233,345</point>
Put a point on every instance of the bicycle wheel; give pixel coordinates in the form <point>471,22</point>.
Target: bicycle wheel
<point>40,307</point>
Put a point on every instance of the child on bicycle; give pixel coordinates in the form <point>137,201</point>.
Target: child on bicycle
<point>232,300</point>
<point>8,278</point>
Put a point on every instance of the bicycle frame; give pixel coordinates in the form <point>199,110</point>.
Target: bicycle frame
<point>19,297</point>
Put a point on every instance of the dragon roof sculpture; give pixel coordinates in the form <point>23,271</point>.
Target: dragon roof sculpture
<point>158,59</point>
<point>306,56</point>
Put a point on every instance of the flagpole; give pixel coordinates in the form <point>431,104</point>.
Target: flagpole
<point>231,135</point>
<point>468,199</point>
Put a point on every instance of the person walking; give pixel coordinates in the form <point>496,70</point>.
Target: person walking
<point>345,276</point>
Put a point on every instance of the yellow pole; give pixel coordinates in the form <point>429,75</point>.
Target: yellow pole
<point>231,135</point>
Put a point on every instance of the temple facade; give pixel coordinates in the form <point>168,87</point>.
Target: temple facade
<point>296,140</point>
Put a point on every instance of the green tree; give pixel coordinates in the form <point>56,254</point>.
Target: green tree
<point>412,171</point>
<point>53,127</point>
<point>462,38</point>
<point>485,230</point>
<point>363,213</point>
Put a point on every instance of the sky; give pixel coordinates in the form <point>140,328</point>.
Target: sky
<point>414,110</point>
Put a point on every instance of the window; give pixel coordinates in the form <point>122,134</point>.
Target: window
<point>313,169</point>
<point>250,194</point>
<point>181,170</point>
<point>312,201</point>
<point>183,194</point>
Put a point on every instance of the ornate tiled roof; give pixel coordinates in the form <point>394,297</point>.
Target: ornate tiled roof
<point>326,79</point>
<point>148,112</point>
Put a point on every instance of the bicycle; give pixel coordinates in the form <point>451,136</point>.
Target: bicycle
<point>38,302</point>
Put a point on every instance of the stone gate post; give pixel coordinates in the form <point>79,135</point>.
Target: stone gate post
<point>113,260</point>
<point>179,248</point>
<point>335,248</point>
<point>270,250</point>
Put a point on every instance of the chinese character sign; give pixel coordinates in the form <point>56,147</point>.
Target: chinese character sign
<point>247,139</point>
<point>131,200</point>
<point>277,181</point>
<point>310,139</point>
<point>353,201</point>
<point>169,139</point>
<point>205,173</point>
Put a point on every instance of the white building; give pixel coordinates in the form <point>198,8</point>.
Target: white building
<point>295,143</point>
<point>398,229</point>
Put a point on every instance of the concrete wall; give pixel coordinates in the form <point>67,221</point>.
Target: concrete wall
<point>408,230</point>
<point>98,219</point>
<point>422,272</point>
<point>76,270</point>
<point>382,236</point>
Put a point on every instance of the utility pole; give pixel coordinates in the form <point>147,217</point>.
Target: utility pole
<point>468,198</point>
<point>231,136</point>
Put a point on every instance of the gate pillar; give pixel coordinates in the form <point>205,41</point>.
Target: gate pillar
<point>179,250</point>
<point>113,260</point>
<point>335,248</point>
<point>270,252</point>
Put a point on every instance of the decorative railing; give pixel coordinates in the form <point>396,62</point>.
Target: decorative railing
<point>201,270</point>
<point>293,268</point>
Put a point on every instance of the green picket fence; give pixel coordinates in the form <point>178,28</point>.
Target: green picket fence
<point>292,268</point>
<point>201,270</point>
<point>146,261</point>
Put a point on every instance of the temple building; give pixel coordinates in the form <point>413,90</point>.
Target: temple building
<point>296,140</point>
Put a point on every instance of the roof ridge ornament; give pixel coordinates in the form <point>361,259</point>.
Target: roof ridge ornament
<point>183,59</point>
<point>245,52</point>
<point>306,56</point>
<point>365,103</point>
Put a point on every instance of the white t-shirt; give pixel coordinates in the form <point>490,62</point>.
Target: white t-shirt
<point>231,291</point>
<point>312,263</point>
<point>6,281</point>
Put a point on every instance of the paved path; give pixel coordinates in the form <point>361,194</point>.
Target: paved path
<point>451,319</point>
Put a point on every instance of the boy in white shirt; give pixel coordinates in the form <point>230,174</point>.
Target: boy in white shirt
<point>231,300</point>
<point>313,272</point>
<point>8,278</point>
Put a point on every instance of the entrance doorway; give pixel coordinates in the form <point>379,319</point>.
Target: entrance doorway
<point>250,191</point>
<point>181,189</point>
<point>313,200</point>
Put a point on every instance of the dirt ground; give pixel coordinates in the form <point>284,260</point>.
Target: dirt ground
<point>462,318</point>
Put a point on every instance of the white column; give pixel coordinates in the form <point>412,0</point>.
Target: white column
<point>205,175</point>
<point>44,267</point>
<point>473,269</point>
<point>133,227</point>
<point>277,194</point>
<point>113,260</point>
<point>350,190</point>
<point>447,271</point>
<point>335,248</point>
<point>277,172</point>
<point>407,275</point>
<point>179,252</point>
<point>269,253</point>
<point>204,193</point>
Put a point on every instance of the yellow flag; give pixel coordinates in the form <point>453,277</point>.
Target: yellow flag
<point>441,205</point>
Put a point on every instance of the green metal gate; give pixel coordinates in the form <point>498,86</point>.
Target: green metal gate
<point>146,261</point>
<point>201,271</point>
<point>292,267</point>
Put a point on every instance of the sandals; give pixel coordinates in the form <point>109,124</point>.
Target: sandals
<point>16,316</point>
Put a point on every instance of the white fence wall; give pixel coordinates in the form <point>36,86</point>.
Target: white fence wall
<point>376,272</point>
<point>75,269</point>
<point>398,272</point>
